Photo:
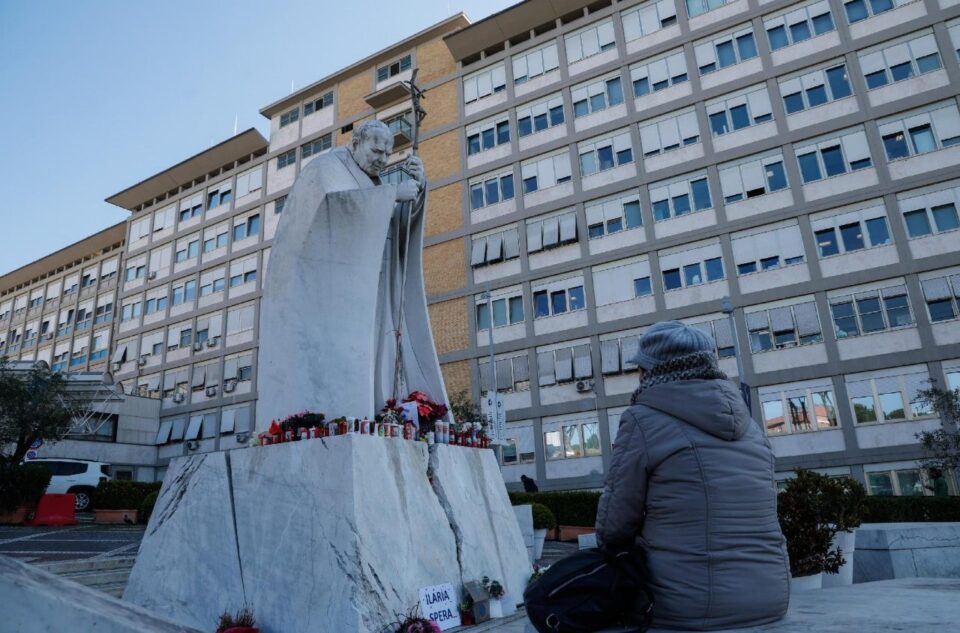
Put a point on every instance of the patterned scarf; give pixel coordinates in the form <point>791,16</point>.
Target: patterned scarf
<point>698,365</point>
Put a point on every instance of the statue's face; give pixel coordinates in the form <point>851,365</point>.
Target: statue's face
<point>372,152</point>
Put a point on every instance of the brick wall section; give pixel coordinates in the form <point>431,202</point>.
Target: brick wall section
<point>448,319</point>
<point>441,155</point>
<point>444,209</point>
<point>350,94</point>
<point>434,61</point>
<point>441,105</point>
<point>443,267</point>
<point>456,377</point>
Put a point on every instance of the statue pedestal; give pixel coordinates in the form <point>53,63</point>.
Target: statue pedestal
<point>335,534</point>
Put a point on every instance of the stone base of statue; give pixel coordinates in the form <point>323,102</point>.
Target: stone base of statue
<point>335,534</point>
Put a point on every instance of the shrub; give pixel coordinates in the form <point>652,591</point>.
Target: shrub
<point>122,495</point>
<point>146,507</point>
<point>571,507</point>
<point>22,485</point>
<point>543,518</point>
<point>810,511</point>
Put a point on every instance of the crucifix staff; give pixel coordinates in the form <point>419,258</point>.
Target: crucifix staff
<point>406,213</point>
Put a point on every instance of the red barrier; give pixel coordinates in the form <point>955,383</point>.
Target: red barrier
<point>56,510</point>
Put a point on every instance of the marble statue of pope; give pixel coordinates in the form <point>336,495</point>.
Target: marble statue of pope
<point>346,262</point>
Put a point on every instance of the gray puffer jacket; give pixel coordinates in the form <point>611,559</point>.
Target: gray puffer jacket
<point>691,482</point>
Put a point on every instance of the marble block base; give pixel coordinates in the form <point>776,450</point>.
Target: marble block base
<point>906,550</point>
<point>524,514</point>
<point>335,534</point>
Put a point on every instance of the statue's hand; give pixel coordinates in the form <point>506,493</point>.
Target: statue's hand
<point>408,190</point>
<point>414,166</point>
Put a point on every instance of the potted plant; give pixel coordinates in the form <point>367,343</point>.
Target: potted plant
<point>118,501</point>
<point>496,591</point>
<point>846,500</point>
<point>543,521</point>
<point>242,622</point>
<point>809,514</point>
<point>21,487</point>
<point>466,608</point>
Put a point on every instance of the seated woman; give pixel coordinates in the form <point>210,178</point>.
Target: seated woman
<point>691,483</point>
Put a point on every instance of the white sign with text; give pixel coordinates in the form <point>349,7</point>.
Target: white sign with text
<point>439,603</point>
<point>492,407</point>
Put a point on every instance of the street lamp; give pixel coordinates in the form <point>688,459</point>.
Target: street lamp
<point>726,306</point>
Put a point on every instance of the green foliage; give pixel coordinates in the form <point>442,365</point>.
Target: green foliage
<point>570,507</point>
<point>911,509</point>
<point>543,517</point>
<point>34,404</point>
<point>146,507</point>
<point>812,509</point>
<point>943,445</point>
<point>122,495</point>
<point>21,485</point>
<point>466,410</point>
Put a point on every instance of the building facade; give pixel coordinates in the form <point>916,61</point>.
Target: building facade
<point>594,169</point>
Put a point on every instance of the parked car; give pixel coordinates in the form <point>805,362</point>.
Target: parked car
<point>75,476</point>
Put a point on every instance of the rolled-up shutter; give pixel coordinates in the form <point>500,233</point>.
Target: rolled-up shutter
<point>199,377</point>
<point>808,322</point>
<point>564,364</point>
<point>781,319</point>
<point>521,369</point>
<point>582,364</point>
<point>610,356</point>
<point>504,374</point>
<point>546,369</point>
<point>724,333</point>
<point>568,227</point>
<point>486,376</point>
<point>936,289</point>
<point>757,321</point>
<point>629,346</point>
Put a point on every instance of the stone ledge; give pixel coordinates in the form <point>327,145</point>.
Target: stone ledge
<point>893,536</point>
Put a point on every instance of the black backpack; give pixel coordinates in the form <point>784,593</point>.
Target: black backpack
<point>590,590</point>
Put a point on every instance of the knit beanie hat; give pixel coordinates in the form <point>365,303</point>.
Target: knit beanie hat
<point>668,339</point>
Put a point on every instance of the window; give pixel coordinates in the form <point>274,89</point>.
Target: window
<point>492,189</point>
<point>892,63</point>
<point>941,296</point>
<point>679,198</point>
<point>736,112</point>
<point>617,354</point>
<point>935,212</point>
<point>563,365</point>
<point>163,219</point>
<point>596,96</point>
<point>215,238</point>
<point>888,395</point>
<point>834,156</point>
<point>658,74</point>
<point>648,18</point>
<point>287,158</point>
<point>130,311</point>
<point>551,232</point>
<point>512,374</point>
<point>815,89</point>
<point>783,326</point>
<point>862,9</point>
<point>316,146</point>
<point>183,292</point>
<point>590,41</point>
<point>187,248</point>
<point>289,117</point>
<point>488,135</point>
<point>851,231</point>
<point>540,116</point>
<point>140,229</point>
<point>752,178</point>
<point>727,50</point>
<point>572,441</point>
<point>767,248</point>
<point>250,181</point>
<point>598,155</point>
<point>558,298</point>
<point>540,61</point>
<point>104,312</point>
<point>156,303</point>
<point>799,25</point>
<point>921,131</point>
<point>278,205</point>
<point>506,311</point>
<point>218,196</point>
<point>484,83</point>
<point>393,175</point>
<point>212,282</point>
<point>243,271</point>
<point>136,270</point>
<point>496,247</point>
<point>799,407</point>
<point>393,69</point>
<point>246,227</point>
<point>691,267</point>
<point>612,215</point>
<point>191,207</point>
<point>543,173</point>
<point>699,7</point>
<point>669,133</point>
<point>870,311</point>
<point>316,105</point>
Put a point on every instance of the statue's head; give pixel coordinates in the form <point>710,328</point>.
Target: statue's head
<point>371,146</point>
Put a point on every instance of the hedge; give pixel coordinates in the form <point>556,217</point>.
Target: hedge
<point>122,495</point>
<point>146,507</point>
<point>22,485</point>
<point>579,507</point>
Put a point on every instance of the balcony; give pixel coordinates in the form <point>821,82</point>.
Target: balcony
<point>402,130</point>
<point>388,95</point>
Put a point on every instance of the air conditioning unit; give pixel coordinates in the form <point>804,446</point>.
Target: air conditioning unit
<point>197,346</point>
<point>192,445</point>
<point>229,386</point>
<point>178,397</point>
<point>212,342</point>
<point>116,366</point>
<point>584,386</point>
<point>152,276</point>
<point>211,391</point>
<point>142,361</point>
<point>48,337</point>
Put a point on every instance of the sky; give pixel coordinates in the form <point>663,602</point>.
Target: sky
<point>96,96</point>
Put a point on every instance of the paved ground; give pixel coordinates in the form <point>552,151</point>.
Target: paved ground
<point>47,544</point>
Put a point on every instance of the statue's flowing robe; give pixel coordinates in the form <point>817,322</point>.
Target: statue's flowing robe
<point>331,298</point>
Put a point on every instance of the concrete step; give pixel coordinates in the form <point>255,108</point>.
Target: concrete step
<point>62,568</point>
<point>99,579</point>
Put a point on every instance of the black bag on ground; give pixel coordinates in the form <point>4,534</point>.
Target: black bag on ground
<point>590,590</point>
